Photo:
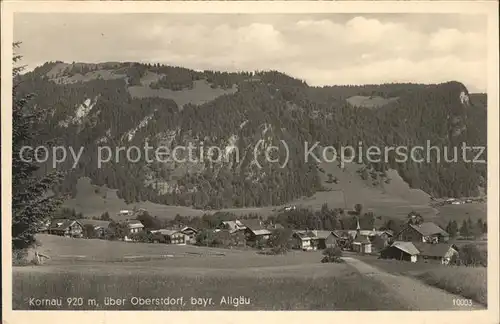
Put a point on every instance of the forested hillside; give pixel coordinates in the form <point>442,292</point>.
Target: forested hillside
<point>126,104</point>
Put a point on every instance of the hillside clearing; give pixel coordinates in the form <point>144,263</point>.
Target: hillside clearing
<point>369,101</point>
<point>201,93</point>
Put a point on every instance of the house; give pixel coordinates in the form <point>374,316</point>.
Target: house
<point>439,252</point>
<point>100,227</point>
<point>232,226</point>
<point>134,226</point>
<point>255,230</point>
<point>125,213</point>
<point>385,234</point>
<point>190,234</point>
<point>401,250</point>
<point>229,238</point>
<point>344,237</point>
<point>324,239</point>
<point>427,232</point>
<point>44,226</point>
<point>301,240</point>
<point>415,251</point>
<point>168,236</point>
<point>380,242</point>
<point>313,240</point>
<point>66,227</point>
<point>362,244</point>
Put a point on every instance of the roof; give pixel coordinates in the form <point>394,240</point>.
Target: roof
<point>94,222</point>
<point>388,232</point>
<point>322,234</point>
<point>134,223</point>
<point>233,225</point>
<point>303,235</point>
<point>261,232</point>
<point>166,232</point>
<point>189,228</point>
<point>253,224</point>
<point>429,228</point>
<point>62,224</point>
<point>368,232</point>
<point>362,239</point>
<point>407,247</point>
<point>434,250</point>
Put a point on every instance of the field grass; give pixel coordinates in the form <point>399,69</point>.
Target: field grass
<point>339,288</point>
<point>62,250</point>
<point>296,280</point>
<point>469,282</point>
<point>400,267</point>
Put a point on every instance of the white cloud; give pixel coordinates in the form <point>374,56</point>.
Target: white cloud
<point>320,50</point>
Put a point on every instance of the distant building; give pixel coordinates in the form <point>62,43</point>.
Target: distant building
<point>134,226</point>
<point>440,252</point>
<point>362,244</point>
<point>125,213</point>
<point>314,240</point>
<point>324,239</point>
<point>66,227</point>
<point>418,251</point>
<point>232,226</point>
<point>427,232</point>
<point>169,236</point>
<point>230,239</point>
<point>301,240</point>
<point>190,234</point>
<point>100,227</point>
<point>255,230</point>
<point>404,251</point>
<point>44,226</point>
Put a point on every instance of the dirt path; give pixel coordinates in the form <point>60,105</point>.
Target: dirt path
<point>416,294</point>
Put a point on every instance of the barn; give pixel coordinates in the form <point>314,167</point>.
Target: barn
<point>405,251</point>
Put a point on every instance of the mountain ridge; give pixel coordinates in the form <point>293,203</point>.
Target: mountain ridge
<point>174,106</point>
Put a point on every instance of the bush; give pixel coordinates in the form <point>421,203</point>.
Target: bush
<point>332,254</point>
<point>279,250</point>
<point>20,257</point>
<point>470,255</point>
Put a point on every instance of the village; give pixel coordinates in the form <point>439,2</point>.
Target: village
<point>417,241</point>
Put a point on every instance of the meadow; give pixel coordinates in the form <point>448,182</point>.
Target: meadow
<point>469,282</point>
<point>342,289</point>
<point>296,280</point>
<point>96,269</point>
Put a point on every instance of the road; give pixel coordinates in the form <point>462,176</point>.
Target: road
<point>416,294</point>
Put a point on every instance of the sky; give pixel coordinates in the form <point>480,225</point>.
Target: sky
<point>322,49</point>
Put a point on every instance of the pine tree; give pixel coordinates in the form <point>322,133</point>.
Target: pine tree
<point>31,204</point>
<point>452,228</point>
<point>464,229</point>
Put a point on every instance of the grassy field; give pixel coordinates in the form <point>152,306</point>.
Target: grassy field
<point>295,281</point>
<point>469,282</point>
<point>340,289</point>
<point>62,250</point>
